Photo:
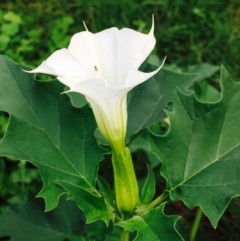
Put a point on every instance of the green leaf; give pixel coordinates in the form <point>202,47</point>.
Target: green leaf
<point>59,31</point>
<point>46,130</point>
<point>4,40</point>
<point>93,206</point>
<point>147,101</point>
<point>77,99</point>
<point>148,190</point>
<point>29,222</point>
<point>10,29</point>
<point>201,153</point>
<point>206,93</point>
<point>12,17</point>
<point>203,70</point>
<point>106,190</point>
<point>153,226</point>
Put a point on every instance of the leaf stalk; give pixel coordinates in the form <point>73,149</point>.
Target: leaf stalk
<point>154,203</point>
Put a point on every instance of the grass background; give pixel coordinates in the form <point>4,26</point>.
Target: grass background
<point>187,31</point>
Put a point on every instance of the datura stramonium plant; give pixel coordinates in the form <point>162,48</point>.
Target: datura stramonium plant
<point>104,67</point>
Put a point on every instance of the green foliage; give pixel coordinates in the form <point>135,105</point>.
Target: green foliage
<point>200,154</point>
<point>10,26</point>
<point>67,155</point>
<point>59,35</point>
<point>94,206</point>
<point>148,190</point>
<point>53,226</point>
<point>14,185</point>
<point>188,32</point>
<point>153,226</point>
<point>66,222</point>
<point>148,100</point>
<point>57,145</point>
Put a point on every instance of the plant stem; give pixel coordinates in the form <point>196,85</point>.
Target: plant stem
<point>196,224</point>
<point>154,203</point>
<point>157,201</point>
<point>124,235</point>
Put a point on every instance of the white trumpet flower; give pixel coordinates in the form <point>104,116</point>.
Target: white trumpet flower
<point>104,68</point>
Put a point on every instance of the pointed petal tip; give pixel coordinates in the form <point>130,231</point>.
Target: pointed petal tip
<point>29,71</point>
<point>163,61</point>
<point>65,92</point>
<point>42,68</point>
<point>85,26</point>
<point>160,65</point>
<point>152,28</point>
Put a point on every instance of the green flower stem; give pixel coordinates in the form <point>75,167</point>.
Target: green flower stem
<point>154,203</point>
<point>124,235</point>
<point>157,201</point>
<point>125,182</point>
<point>196,224</point>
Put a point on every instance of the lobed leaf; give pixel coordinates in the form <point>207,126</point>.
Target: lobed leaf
<point>46,130</point>
<point>93,206</point>
<point>147,101</point>
<point>19,223</point>
<point>201,152</point>
<point>153,226</point>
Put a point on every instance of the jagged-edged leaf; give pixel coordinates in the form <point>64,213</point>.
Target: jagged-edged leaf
<point>204,70</point>
<point>106,190</point>
<point>153,226</point>
<point>201,152</point>
<point>28,221</point>
<point>147,101</point>
<point>93,206</point>
<point>77,99</point>
<point>206,92</point>
<point>46,130</point>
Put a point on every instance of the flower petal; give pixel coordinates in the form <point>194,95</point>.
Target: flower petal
<point>96,89</point>
<point>84,49</point>
<point>65,64</point>
<point>106,43</point>
<point>133,48</point>
<point>109,107</point>
<point>100,49</point>
<point>104,68</point>
<point>71,82</point>
<point>135,77</point>
<point>43,68</point>
<point>82,45</point>
<point>141,56</point>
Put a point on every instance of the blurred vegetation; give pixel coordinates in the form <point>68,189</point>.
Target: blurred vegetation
<point>187,31</point>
